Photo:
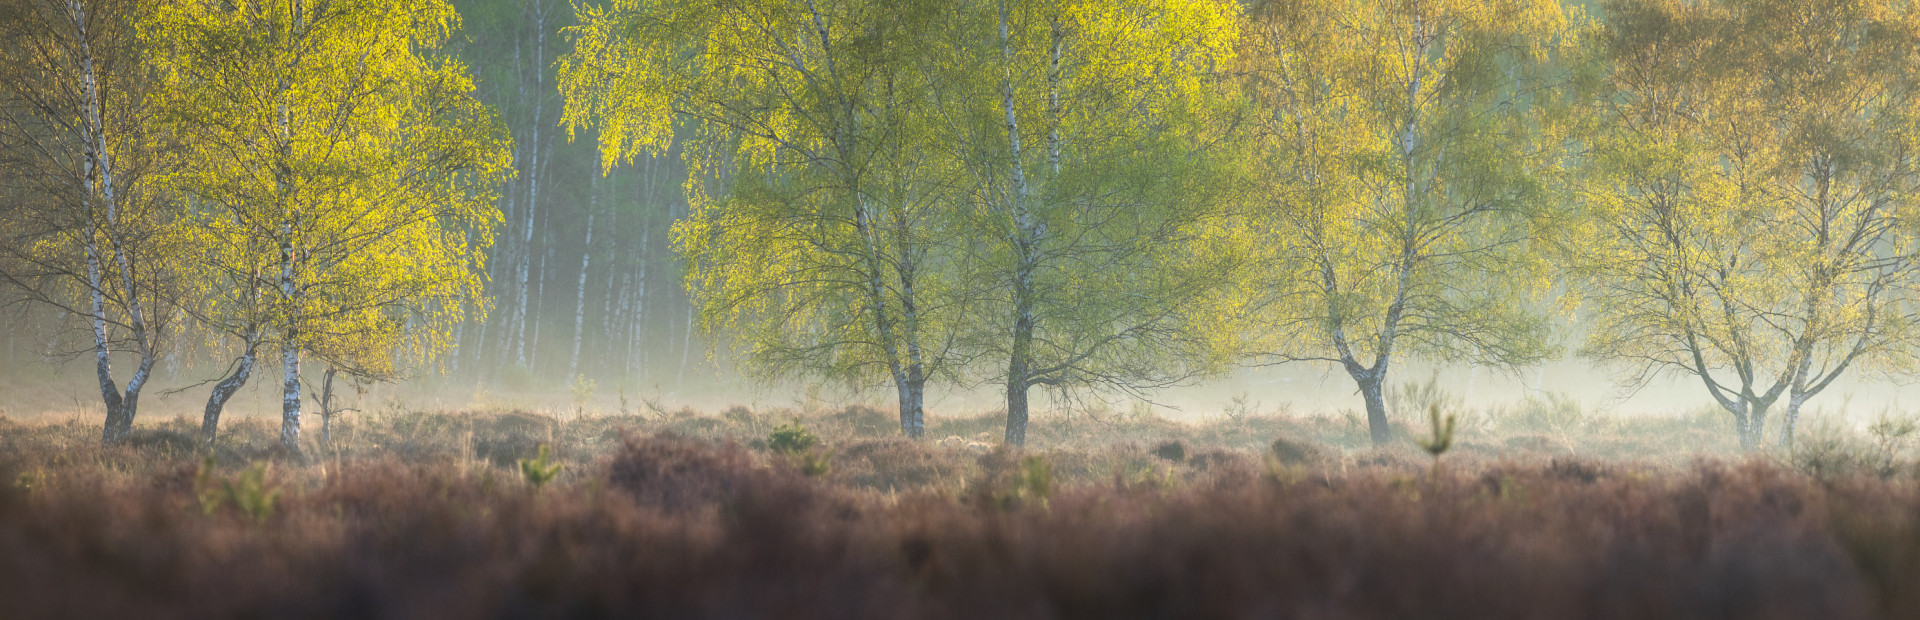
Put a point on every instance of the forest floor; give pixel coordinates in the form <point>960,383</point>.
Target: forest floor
<point>1539,511</point>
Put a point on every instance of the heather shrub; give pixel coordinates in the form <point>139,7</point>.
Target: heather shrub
<point>680,475</point>
<point>651,520</point>
<point>1171,450</point>
<point>1296,451</point>
<point>895,464</point>
<point>1824,449</point>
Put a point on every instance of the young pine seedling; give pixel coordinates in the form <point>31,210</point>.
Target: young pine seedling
<point>794,442</point>
<point>541,469</point>
<point>1442,437</point>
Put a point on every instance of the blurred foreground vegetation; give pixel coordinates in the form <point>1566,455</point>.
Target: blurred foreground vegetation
<point>826,512</point>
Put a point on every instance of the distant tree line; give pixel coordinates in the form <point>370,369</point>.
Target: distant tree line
<point>1072,195</point>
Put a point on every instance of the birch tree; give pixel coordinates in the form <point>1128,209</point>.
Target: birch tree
<point>86,230</point>
<point>1749,195</point>
<point>812,240</point>
<point>335,136</point>
<point>1085,129</point>
<point>1404,162</point>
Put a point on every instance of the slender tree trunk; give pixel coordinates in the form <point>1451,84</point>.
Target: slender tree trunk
<point>326,407</point>
<point>1016,410</point>
<point>97,171</point>
<point>130,402</point>
<point>580,301</point>
<point>637,334</point>
<point>1379,428</point>
<point>225,389</point>
<point>1026,239</point>
<point>290,397</point>
<point>913,415</point>
<point>535,168</point>
<point>102,361</point>
<point>621,327</point>
<point>686,347</point>
<point>1794,401</point>
<point>913,395</point>
<point>540,301</point>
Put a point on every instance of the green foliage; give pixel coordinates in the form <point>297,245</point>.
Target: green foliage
<point>248,492</point>
<point>30,481</point>
<point>540,470</point>
<point>794,442</point>
<point>582,389</point>
<point>1746,198</point>
<point>1405,157</point>
<point>791,439</point>
<point>1032,484</point>
<point>353,224</point>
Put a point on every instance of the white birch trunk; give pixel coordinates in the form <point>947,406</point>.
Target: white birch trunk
<point>539,301</point>
<point>580,301</point>
<point>533,180</point>
<point>290,397</point>
<point>1027,235</point>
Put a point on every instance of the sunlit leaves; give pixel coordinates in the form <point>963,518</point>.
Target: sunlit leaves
<point>339,165</point>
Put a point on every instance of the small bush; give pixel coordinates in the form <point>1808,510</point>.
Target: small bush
<point>247,492</point>
<point>1295,451</point>
<point>1825,450</point>
<point>790,439</point>
<point>1890,433</point>
<point>1171,450</point>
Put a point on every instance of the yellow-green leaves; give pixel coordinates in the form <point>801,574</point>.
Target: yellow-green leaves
<point>339,163</point>
<point>1749,195</point>
<point>1403,156</point>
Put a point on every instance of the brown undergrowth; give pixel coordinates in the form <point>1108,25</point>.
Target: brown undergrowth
<point>684,515</point>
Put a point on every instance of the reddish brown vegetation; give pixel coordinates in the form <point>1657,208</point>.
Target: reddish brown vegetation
<point>663,525</point>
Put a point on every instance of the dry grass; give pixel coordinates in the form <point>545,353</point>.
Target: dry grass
<point>1542,511</point>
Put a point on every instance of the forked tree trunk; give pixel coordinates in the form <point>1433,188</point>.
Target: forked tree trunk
<point>97,170</point>
<point>130,399</point>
